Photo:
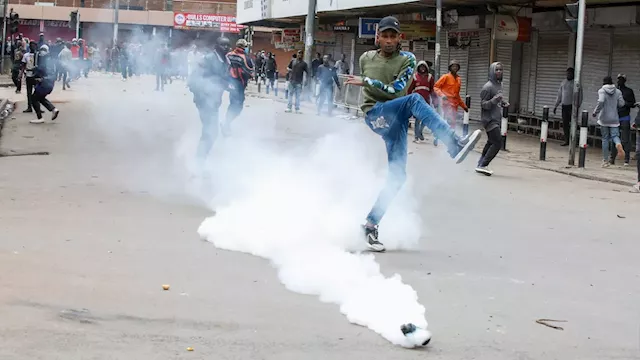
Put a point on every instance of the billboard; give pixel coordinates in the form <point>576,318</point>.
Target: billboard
<point>254,10</point>
<point>215,22</point>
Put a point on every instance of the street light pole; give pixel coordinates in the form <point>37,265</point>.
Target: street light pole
<point>438,35</point>
<point>577,82</point>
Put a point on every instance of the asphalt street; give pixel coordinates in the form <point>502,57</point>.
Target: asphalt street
<point>91,232</point>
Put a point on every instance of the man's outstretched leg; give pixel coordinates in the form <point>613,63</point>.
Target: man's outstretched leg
<point>391,121</point>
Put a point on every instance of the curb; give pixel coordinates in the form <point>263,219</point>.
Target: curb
<point>3,104</point>
<point>585,176</point>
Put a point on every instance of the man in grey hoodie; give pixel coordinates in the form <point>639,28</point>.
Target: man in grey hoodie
<point>609,100</point>
<point>491,104</point>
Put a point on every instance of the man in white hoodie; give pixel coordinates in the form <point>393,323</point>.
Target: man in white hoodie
<point>609,100</point>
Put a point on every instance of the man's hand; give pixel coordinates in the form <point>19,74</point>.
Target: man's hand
<point>354,80</point>
<point>498,97</point>
<point>594,114</point>
<point>555,110</point>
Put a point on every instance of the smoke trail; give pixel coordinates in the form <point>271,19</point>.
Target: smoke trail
<point>300,207</point>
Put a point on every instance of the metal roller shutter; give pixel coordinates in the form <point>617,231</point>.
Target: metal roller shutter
<point>626,60</point>
<point>553,52</point>
<point>503,55</point>
<point>360,49</point>
<point>527,80</point>
<point>478,72</point>
<point>462,56</point>
<point>444,54</point>
<point>597,44</point>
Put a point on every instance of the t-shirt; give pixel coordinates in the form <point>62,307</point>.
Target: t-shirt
<point>298,68</point>
<point>29,60</point>
<point>385,78</point>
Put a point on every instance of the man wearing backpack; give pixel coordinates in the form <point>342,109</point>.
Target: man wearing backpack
<point>241,71</point>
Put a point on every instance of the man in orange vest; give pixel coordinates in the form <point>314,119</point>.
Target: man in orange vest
<point>448,89</point>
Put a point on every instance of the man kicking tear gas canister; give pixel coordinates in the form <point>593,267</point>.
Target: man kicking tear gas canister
<point>207,82</point>
<point>386,74</point>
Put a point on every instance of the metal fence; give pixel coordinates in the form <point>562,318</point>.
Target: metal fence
<point>348,96</point>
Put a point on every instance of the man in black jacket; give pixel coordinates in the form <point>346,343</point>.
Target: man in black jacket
<point>625,119</point>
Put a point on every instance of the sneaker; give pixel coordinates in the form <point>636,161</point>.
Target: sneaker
<point>484,170</point>
<point>480,161</point>
<point>288,111</point>
<point>626,164</point>
<point>37,121</point>
<point>54,114</point>
<point>465,145</point>
<point>29,110</point>
<point>635,188</point>
<point>417,141</point>
<point>620,149</point>
<point>605,164</point>
<point>371,236</point>
<point>298,111</point>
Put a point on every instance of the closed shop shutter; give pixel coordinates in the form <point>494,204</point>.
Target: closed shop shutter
<point>360,49</point>
<point>528,78</point>
<point>444,54</point>
<point>595,60</point>
<point>462,56</point>
<point>503,55</point>
<point>553,52</point>
<point>626,58</point>
<point>347,40</point>
<point>478,71</point>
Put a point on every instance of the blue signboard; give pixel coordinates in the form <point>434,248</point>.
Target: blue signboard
<point>367,27</point>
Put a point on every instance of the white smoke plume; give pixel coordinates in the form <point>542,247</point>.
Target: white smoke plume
<point>301,208</point>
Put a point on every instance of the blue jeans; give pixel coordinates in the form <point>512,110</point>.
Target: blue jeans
<point>294,91</point>
<point>609,134</point>
<point>208,105</point>
<point>391,121</point>
<point>326,94</point>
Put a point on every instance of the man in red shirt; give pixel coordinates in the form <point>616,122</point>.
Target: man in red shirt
<point>423,85</point>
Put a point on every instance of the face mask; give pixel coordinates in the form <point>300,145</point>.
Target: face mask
<point>246,51</point>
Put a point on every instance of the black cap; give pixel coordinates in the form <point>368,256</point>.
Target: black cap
<point>389,23</point>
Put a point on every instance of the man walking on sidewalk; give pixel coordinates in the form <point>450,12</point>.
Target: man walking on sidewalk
<point>624,113</point>
<point>491,103</point>
<point>565,97</point>
<point>609,100</point>
<point>386,75</point>
<point>636,127</point>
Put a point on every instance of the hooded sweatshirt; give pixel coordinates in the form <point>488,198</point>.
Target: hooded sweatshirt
<point>629,102</point>
<point>491,107</point>
<point>609,100</point>
<point>422,83</point>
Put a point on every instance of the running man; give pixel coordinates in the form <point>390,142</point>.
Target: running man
<point>386,75</point>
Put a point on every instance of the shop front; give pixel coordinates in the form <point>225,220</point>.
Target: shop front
<point>52,29</point>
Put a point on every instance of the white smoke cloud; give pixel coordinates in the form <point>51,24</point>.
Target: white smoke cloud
<point>301,206</point>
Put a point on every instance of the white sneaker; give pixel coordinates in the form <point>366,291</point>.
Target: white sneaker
<point>635,188</point>
<point>484,170</point>
<point>37,121</point>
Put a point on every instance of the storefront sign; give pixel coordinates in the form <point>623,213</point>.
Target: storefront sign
<point>367,27</point>
<point>47,23</point>
<point>289,46</point>
<point>291,35</point>
<point>420,46</point>
<point>410,29</point>
<point>513,28</point>
<point>191,21</point>
<point>463,38</point>
<point>325,38</point>
<point>344,28</point>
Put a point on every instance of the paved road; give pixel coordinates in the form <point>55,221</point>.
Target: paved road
<point>91,232</point>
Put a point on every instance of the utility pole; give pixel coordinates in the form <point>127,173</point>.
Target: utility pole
<point>492,46</point>
<point>310,29</point>
<point>78,25</point>
<point>115,22</point>
<point>438,35</point>
<point>4,34</point>
<point>577,82</point>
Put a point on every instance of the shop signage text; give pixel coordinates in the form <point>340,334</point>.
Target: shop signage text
<point>513,28</point>
<point>47,23</point>
<point>222,23</point>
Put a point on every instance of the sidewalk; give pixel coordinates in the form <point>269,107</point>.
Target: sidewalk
<point>523,149</point>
